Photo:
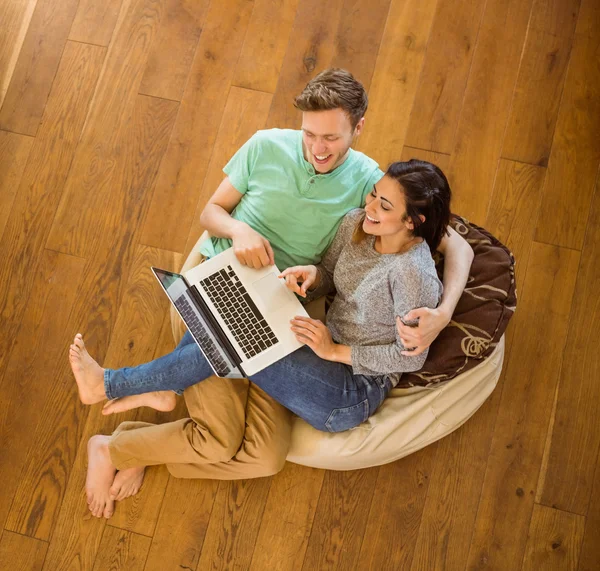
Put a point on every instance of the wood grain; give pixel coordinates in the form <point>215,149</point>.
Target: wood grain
<point>133,341</point>
<point>486,106</point>
<point>20,553</point>
<point>121,550</point>
<point>554,540</point>
<point>42,182</point>
<point>94,314</point>
<point>288,519</point>
<point>450,510</point>
<point>234,523</point>
<point>557,17</point>
<point>14,152</point>
<point>396,511</point>
<point>395,79</point>
<point>538,93</point>
<point>358,37</point>
<point>569,477</point>
<point>245,113</point>
<point>179,537</point>
<point>512,217</point>
<point>439,97</point>
<point>439,159</point>
<point>15,18</point>
<point>530,381</point>
<point>590,550</point>
<point>36,67</point>
<point>91,180</point>
<point>309,51</point>
<point>170,60</point>
<point>346,498</point>
<point>95,22</point>
<point>183,169</point>
<point>265,45</point>
<point>575,154</point>
<point>588,20</point>
<point>39,347</point>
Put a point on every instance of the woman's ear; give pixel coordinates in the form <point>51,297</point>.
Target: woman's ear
<point>410,224</point>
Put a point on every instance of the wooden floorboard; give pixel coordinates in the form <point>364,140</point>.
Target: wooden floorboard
<point>396,78</point>
<point>36,67</point>
<point>440,93</point>
<point>116,119</point>
<point>15,18</point>
<point>259,65</point>
<point>14,152</point>
<point>95,22</point>
<point>173,50</point>
<point>184,166</point>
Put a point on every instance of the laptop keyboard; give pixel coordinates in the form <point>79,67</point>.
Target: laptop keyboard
<point>199,332</point>
<point>239,312</point>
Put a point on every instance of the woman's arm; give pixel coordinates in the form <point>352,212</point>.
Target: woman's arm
<point>458,256</point>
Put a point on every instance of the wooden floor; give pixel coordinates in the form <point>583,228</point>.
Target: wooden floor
<point>116,118</point>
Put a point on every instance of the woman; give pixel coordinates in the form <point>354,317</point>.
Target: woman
<point>380,264</point>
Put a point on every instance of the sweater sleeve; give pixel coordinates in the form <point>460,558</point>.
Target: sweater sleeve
<point>327,266</point>
<point>410,290</point>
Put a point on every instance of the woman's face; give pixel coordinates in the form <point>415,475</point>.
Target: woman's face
<point>386,209</point>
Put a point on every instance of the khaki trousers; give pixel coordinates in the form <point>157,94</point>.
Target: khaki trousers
<point>235,431</point>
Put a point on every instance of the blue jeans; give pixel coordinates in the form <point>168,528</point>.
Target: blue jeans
<point>325,394</point>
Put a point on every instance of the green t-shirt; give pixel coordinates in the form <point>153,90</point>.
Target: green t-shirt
<point>297,210</point>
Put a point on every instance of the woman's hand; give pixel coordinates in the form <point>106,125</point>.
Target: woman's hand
<point>315,334</point>
<point>300,278</point>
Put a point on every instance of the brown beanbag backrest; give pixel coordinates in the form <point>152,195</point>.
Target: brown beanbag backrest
<point>482,313</point>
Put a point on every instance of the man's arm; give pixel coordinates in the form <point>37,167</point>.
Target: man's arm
<point>458,257</point>
<point>250,248</point>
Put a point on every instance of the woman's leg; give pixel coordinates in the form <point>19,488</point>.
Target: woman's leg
<point>325,394</point>
<point>176,371</point>
<point>183,367</point>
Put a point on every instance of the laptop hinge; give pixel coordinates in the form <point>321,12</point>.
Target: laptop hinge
<point>216,328</point>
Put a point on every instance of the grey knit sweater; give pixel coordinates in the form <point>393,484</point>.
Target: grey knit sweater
<point>372,289</point>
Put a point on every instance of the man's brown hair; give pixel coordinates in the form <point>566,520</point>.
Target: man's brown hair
<point>334,89</point>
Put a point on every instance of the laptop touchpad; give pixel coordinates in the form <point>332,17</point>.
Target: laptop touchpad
<point>272,291</point>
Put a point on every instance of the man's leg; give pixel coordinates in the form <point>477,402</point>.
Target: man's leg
<point>261,449</point>
<point>213,433</point>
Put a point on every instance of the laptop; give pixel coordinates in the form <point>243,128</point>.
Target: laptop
<point>238,316</point>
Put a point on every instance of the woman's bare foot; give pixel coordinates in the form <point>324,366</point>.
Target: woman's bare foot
<point>158,400</point>
<point>127,483</point>
<point>89,376</point>
<point>100,476</point>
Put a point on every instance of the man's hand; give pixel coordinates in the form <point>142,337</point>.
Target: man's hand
<point>251,249</point>
<point>305,275</point>
<point>315,334</point>
<point>430,323</point>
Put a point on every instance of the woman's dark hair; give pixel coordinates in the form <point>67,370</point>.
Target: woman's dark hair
<point>427,193</point>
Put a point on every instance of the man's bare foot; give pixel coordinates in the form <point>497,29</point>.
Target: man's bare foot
<point>127,483</point>
<point>88,374</point>
<point>100,476</point>
<point>158,400</point>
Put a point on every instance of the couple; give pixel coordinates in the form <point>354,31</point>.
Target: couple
<point>293,198</point>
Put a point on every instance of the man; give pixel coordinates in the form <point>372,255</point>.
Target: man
<point>283,197</point>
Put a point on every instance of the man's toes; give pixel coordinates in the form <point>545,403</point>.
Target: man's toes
<point>123,493</point>
<point>114,492</point>
<point>78,341</point>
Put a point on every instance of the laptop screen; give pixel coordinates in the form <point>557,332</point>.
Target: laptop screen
<point>174,284</point>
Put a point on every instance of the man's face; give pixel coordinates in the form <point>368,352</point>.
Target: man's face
<point>327,137</point>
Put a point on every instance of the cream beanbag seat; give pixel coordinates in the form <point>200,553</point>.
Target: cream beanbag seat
<point>461,371</point>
